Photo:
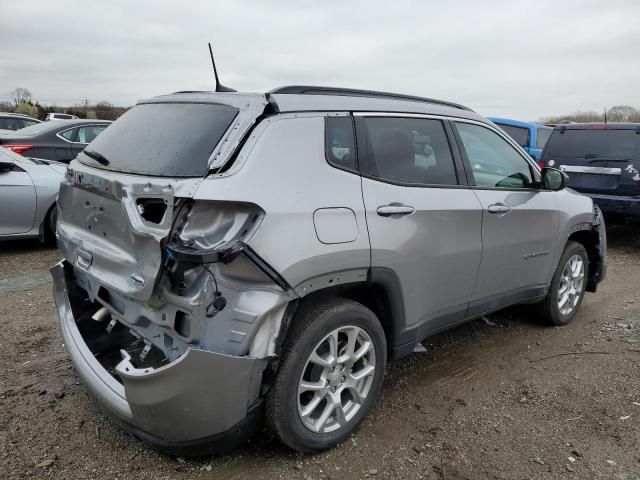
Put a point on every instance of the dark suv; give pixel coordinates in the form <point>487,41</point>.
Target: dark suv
<point>602,160</point>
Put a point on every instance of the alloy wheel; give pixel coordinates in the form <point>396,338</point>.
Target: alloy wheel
<point>336,379</point>
<point>571,283</point>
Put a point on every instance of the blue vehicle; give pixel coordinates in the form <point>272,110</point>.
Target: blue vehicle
<point>530,136</point>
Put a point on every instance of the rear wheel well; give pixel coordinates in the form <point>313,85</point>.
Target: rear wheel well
<point>589,240</point>
<point>371,295</point>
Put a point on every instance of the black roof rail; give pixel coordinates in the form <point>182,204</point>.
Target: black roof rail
<point>352,92</point>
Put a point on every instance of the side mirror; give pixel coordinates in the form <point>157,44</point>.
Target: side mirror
<point>6,167</point>
<point>553,179</point>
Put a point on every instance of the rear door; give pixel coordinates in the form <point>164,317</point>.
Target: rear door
<point>599,159</point>
<point>520,222</point>
<point>17,197</point>
<point>424,224</point>
<point>60,144</point>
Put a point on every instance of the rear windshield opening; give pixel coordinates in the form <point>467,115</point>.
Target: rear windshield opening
<point>607,144</point>
<point>162,139</point>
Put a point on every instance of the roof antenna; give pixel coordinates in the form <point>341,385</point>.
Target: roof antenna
<point>219,86</point>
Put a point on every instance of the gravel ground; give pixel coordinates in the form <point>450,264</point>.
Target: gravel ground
<point>505,398</point>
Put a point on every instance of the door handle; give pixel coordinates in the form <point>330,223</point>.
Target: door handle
<point>395,209</point>
<point>499,208</point>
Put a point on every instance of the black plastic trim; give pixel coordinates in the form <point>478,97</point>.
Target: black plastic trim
<point>405,340</point>
<point>352,92</point>
<point>180,259</point>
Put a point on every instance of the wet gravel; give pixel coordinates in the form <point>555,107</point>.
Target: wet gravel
<point>503,399</point>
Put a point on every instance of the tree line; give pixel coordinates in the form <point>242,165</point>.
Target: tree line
<point>618,113</point>
<point>22,102</point>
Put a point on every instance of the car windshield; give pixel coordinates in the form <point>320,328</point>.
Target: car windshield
<point>595,144</point>
<point>163,139</point>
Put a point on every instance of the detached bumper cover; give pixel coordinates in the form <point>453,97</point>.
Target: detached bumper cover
<point>200,396</point>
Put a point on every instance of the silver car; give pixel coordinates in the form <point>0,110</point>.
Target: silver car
<point>230,255</point>
<point>28,191</point>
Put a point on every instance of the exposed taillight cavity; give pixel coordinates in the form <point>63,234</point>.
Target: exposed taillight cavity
<point>18,148</point>
<point>207,225</point>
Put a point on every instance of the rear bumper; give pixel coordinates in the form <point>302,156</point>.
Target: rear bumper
<point>194,405</point>
<point>617,205</point>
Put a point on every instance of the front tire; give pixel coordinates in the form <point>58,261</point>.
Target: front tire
<point>330,374</point>
<point>567,286</point>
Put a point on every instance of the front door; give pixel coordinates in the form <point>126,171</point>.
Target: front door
<point>17,198</point>
<point>424,226</point>
<point>520,222</point>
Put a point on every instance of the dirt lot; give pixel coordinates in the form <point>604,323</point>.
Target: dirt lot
<point>504,399</point>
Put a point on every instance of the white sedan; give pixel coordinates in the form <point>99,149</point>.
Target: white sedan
<point>28,194</point>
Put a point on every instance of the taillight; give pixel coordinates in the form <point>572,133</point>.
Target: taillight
<point>541,163</point>
<point>18,148</point>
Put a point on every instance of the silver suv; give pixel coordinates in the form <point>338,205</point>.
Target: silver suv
<point>234,255</point>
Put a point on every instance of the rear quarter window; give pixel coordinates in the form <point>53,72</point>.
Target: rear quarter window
<point>340,142</point>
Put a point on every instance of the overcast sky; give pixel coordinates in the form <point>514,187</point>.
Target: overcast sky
<point>520,59</point>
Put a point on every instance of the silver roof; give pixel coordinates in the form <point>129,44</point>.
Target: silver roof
<point>303,102</point>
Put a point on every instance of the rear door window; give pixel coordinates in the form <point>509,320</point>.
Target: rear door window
<point>520,134</point>
<point>163,139</point>
<point>9,124</point>
<point>406,150</point>
<point>494,162</point>
<point>89,133</point>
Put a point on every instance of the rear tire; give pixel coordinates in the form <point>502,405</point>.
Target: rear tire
<point>50,225</point>
<point>567,286</point>
<point>330,374</point>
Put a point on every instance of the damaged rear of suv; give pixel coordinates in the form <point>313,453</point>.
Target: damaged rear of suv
<point>229,255</point>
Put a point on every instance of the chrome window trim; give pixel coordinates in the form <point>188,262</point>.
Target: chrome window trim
<point>586,169</point>
<point>59,134</point>
<point>400,115</point>
<point>462,182</point>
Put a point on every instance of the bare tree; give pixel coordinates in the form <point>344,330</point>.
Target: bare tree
<point>623,113</point>
<point>105,110</point>
<point>20,95</point>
